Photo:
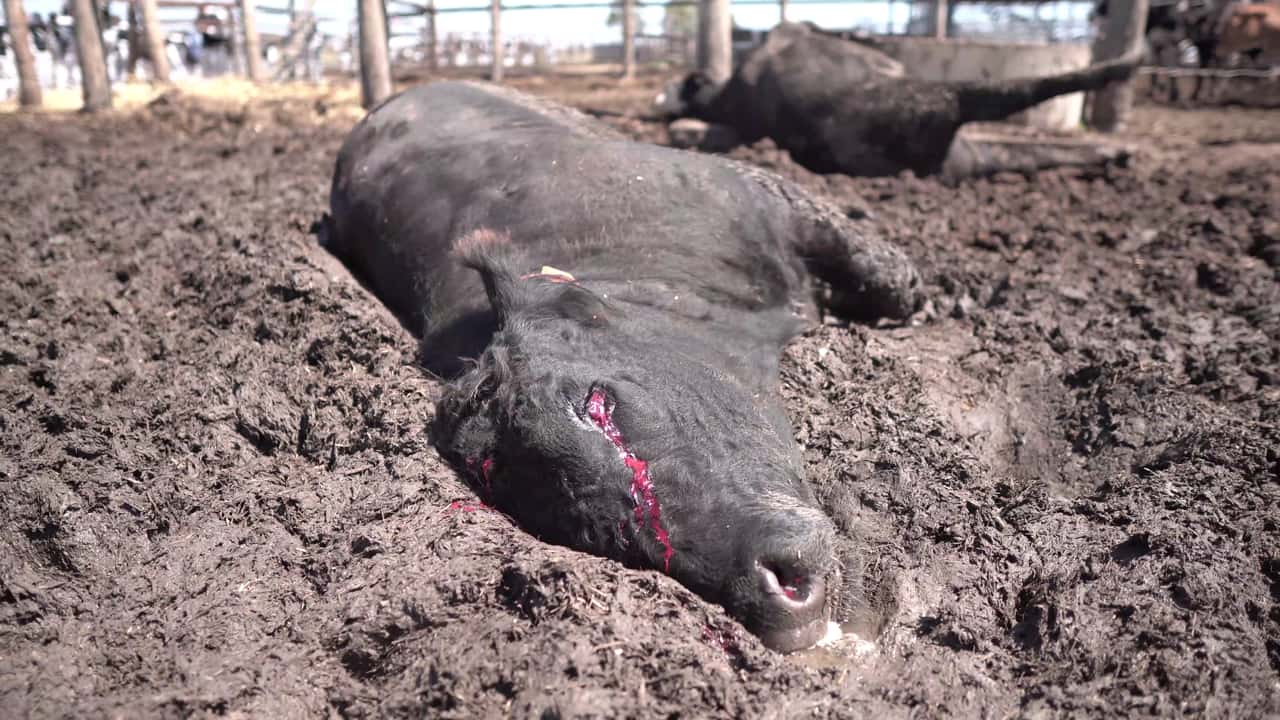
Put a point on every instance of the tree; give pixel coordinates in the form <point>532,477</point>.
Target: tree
<point>623,12</point>
<point>616,13</point>
<point>679,20</point>
<point>93,64</point>
<point>29,93</point>
<point>302,23</point>
<point>375,66</point>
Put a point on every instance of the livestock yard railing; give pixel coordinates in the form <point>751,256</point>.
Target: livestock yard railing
<point>298,42</point>
<point>1259,73</point>
<point>997,20</point>
<point>307,39</point>
<point>1248,87</point>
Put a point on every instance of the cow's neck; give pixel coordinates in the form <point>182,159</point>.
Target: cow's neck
<point>742,339</point>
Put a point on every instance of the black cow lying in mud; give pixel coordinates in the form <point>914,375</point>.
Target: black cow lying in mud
<point>622,307</point>
<point>839,105</point>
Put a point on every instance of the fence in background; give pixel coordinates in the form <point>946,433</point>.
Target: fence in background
<point>423,34</point>
<point>414,22</point>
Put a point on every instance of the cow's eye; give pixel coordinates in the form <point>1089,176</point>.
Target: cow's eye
<point>599,410</point>
<point>598,404</point>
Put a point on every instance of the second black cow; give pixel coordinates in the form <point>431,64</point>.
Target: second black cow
<point>840,105</point>
<point>611,315</point>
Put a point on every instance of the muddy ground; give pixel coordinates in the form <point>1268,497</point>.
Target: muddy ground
<point>217,497</point>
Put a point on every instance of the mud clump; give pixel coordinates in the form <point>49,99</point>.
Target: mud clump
<point>217,495</point>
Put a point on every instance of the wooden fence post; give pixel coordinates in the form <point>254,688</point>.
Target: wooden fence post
<point>940,19</point>
<point>375,66</point>
<point>29,93</point>
<point>1122,32</point>
<point>495,11</point>
<point>93,64</point>
<point>715,40</point>
<point>433,37</point>
<point>252,43</point>
<point>628,39</point>
<point>153,40</point>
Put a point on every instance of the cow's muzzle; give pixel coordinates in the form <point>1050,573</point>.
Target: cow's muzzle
<point>794,605</point>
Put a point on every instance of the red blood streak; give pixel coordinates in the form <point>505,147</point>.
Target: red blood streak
<point>726,640</point>
<point>642,493</point>
<point>468,507</point>
<point>486,468</point>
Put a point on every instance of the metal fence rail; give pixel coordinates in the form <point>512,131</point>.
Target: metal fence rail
<point>1258,73</point>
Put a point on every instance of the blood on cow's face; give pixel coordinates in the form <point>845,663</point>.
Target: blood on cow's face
<point>592,431</point>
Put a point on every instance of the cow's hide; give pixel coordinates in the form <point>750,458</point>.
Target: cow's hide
<point>611,315</point>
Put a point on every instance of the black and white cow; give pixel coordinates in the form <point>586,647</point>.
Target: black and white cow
<point>611,315</point>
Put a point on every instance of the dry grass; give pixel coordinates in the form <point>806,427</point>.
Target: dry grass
<point>597,87</point>
<point>133,95</point>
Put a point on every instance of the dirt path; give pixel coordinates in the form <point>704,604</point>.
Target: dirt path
<point>217,497</point>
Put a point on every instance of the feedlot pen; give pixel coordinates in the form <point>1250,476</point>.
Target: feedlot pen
<point>217,496</point>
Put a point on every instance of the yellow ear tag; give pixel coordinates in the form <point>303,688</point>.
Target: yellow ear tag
<point>548,270</point>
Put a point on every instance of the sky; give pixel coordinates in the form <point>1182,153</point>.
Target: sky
<point>574,26</point>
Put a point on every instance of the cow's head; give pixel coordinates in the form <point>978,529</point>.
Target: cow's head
<point>590,430</point>
<point>686,96</point>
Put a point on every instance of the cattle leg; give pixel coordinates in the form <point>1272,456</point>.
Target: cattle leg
<point>868,278</point>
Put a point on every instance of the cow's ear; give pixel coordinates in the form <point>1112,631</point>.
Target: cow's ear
<point>489,253</point>
<point>493,255</point>
<point>579,304</point>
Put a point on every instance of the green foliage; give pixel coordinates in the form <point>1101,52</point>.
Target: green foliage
<point>680,20</point>
<point>615,16</point>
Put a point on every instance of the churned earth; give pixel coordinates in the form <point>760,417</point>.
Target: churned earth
<point>218,498</point>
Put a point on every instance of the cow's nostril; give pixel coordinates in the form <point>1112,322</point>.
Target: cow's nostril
<point>782,582</point>
<point>795,590</point>
<point>790,610</point>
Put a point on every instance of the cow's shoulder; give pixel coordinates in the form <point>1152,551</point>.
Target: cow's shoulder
<point>805,207</point>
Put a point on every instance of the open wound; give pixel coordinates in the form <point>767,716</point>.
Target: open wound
<point>483,470</point>
<point>648,511</point>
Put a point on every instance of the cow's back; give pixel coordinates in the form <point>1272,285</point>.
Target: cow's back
<point>440,160</point>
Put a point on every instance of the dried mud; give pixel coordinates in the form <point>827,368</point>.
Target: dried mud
<point>217,497</point>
